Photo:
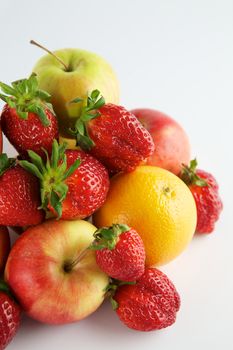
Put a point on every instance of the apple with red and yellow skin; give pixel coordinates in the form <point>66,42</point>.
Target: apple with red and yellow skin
<point>5,246</point>
<point>83,72</point>
<point>172,147</point>
<point>40,273</point>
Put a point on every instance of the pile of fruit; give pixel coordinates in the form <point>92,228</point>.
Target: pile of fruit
<point>99,195</point>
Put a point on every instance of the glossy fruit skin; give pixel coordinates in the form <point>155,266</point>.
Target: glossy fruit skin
<point>172,147</point>
<point>5,245</point>
<point>88,186</point>
<point>19,198</point>
<point>150,304</point>
<point>158,205</point>
<point>9,319</point>
<point>126,262</point>
<point>88,72</point>
<point>121,142</point>
<point>29,134</point>
<point>208,202</point>
<point>35,272</point>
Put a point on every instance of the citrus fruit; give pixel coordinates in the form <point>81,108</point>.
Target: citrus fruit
<point>158,205</point>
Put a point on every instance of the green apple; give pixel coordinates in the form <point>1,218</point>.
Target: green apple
<point>74,73</point>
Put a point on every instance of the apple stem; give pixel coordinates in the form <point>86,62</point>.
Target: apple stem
<point>80,257</point>
<point>33,42</point>
<point>70,266</point>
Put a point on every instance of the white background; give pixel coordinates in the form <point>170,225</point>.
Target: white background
<point>175,56</point>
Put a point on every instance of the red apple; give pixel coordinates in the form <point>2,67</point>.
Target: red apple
<point>172,146</point>
<point>4,246</point>
<point>42,274</point>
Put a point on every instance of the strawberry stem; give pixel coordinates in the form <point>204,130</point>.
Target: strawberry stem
<point>33,42</point>
<point>189,176</point>
<point>52,175</point>
<point>25,96</point>
<point>105,237</point>
<point>4,287</point>
<point>111,289</point>
<point>89,112</point>
<point>6,163</point>
<point>70,265</point>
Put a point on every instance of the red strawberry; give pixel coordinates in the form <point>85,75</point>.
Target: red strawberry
<point>120,252</point>
<point>9,317</point>
<point>19,195</point>
<point>28,120</point>
<point>204,188</point>
<point>150,304</point>
<point>73,183</point>
<point>112,134</point>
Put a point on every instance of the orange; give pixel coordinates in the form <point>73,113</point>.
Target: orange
<point>158,205</point>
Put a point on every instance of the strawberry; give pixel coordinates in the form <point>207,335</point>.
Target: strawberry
<point>150,304</point>
<point>28,120</point>
<point>19,195</point>
<point>120,252</point>
<point>73,183</point>
<point>204,188</point>
<point>112,134</point>
<point>9,316</point>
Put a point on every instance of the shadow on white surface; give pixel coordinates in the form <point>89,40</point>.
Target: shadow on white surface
<point>103,324</point>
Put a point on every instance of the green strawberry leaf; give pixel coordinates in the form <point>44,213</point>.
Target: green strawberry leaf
<point>71,169</point>
<point>99,103</point>
<point>95,94</point>
<point>55,203</point>
<point>5,163</point>
<point>43,95</point>
<point>189,176</point>
<point>114,303</point>
<point>52,174</point>
<point>80,127</point>
<point>54,156</point>
<point>62,189</point>
<point>111,289</point>
<point>6,289</point>
<point>85,142</point>
<point>107,237</point>
<point>21,114</point>
<point>7,89</point>
<point>89,112</point>
<point>32,83</point>
<point>31,168</point>
<point>37,160</point>
<point>4,98</point>
<point>200,182</point>
<point>25,96</point>
<point>40,111</point>
<point>193,165</point>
